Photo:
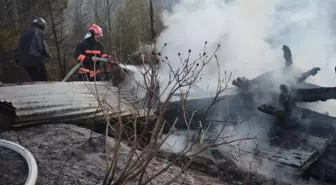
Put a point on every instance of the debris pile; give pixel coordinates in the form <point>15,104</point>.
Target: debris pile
<point>299,140</point>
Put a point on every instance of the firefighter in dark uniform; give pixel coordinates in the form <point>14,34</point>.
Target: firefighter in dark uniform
<point>32,49</point>
<point>88,51</point>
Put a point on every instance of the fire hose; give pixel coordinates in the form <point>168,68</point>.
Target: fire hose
<point>75,68</point>
<point>29,158</point>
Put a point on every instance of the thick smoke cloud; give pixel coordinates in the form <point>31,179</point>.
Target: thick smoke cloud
<point>251,34</point>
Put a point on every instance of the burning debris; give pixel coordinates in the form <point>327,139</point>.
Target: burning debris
<point>299,140</point>
<point>287,55</point>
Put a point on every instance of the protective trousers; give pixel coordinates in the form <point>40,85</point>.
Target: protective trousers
<point>37,72</point>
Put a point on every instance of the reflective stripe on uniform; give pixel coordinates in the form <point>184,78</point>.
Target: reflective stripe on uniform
<point>93,52</point>
<point>83,70</point>
<point>92,73</point>
<point>81,58</point>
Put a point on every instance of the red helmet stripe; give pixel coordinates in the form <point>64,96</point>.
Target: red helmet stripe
<point>96,29</point>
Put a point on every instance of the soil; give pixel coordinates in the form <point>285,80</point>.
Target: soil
<point>67,154</point>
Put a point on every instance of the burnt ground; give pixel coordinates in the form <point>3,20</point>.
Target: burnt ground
<point>14,169</point>
<point>65,154</point>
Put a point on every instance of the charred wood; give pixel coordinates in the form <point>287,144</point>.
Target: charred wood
<point>287,99</point>
<point>316,94</point>
<point>242,82</point>
<point>287,55</point>
<point>309,73</point>
<point>324,169</point>
<point>271,110</point>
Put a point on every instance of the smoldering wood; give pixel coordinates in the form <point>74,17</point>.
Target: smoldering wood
<point>244,83</point>
<point>287,55</point>
<point>287,100</point>
<point>316,94</point>
<point>307,74</point>
<point>288,97</point>
<point>271,110</point>
<point>305,141</point>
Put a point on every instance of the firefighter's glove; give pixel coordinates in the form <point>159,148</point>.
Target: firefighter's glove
<point>95,59</point>
<point>110,58</point>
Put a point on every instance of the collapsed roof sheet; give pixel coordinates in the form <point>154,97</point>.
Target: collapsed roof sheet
<point>67,101</point>
<point>293,161</point>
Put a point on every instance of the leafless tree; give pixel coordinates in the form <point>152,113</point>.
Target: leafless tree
<point>57,30</point>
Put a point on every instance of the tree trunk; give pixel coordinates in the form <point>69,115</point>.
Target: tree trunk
<point>109,32</point>
<point>96,17</point>
<point>151,15</point>
<point>15,14</point>
<point>2,13</point>
<point>53,25</point>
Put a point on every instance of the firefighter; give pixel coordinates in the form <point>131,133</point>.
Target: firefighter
<point>88,51</point>
<point>32,49</point>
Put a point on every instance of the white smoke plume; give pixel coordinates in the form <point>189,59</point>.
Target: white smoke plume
<point>251,35</point>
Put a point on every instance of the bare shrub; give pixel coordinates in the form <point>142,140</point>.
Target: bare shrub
<point>149,112</point>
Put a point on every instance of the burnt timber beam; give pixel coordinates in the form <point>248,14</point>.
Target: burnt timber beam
<point>271,110</point>
<point>287,54</point>
<point>316,94</point>
<point>286,114</point>
<point>307,74</point>
<point>242,82</point>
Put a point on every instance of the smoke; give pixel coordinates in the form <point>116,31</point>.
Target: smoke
<point>251,35</point>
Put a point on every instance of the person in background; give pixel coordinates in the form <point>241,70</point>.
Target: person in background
<point>32,49</point>
<point>88,51</point>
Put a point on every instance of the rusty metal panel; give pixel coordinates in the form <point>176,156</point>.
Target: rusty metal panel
<point>66,101</point>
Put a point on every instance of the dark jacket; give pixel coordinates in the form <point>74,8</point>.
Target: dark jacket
<point>88,48</point>
<point>32,48</point>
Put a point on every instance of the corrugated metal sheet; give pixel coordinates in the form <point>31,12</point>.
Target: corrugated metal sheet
<point>294,161</point>
<point>66,101</point>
